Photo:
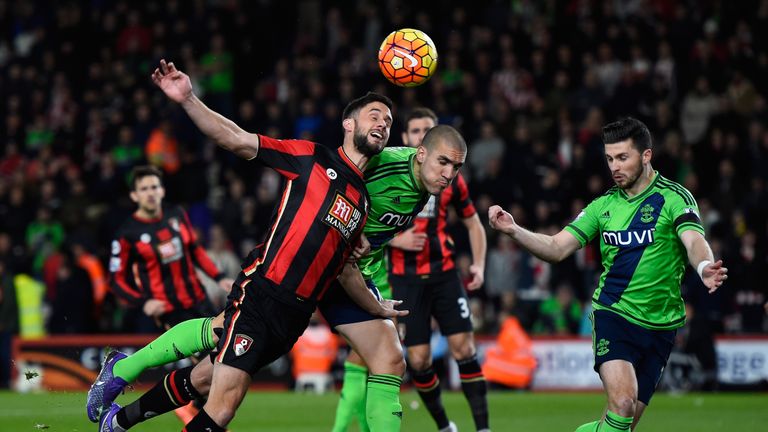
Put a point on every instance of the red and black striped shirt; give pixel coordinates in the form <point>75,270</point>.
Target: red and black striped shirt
<point>437,255</point>
<point>156,259</point>
<point>320,216</point>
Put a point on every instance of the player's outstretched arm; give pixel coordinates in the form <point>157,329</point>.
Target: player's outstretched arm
<point>711,272</point>
<point>354,284</point>
<point>224,132</point>
<point>549,248</point>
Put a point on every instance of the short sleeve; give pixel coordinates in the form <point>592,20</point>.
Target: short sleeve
<point>285,156</point>
<point>684,212</point>
<point>586,226</point>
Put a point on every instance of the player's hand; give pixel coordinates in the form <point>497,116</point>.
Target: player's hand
<point>174,83</point>
<point>500,220</point>
<point>226,284</point>
<point>362,249</point>
<point>410,240</point>
<point>477,277</point>
<point>388,309</point>
<point>154,308</point>
<point>713,275</point>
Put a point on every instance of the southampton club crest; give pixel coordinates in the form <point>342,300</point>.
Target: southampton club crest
<point>647,213</point>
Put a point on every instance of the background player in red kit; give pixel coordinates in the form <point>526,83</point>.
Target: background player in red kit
<point>424,277</point>
<point>154,256</point>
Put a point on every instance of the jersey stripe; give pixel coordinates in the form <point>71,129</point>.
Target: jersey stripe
<point>302,221</point>
<point>151,266</point>
<point>626,260</point>
<point>281,210</point>
<point>679,189</point>
<point>392,171</point>
<point>324,255</point>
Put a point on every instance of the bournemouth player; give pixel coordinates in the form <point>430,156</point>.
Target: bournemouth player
<point>400,181</point>
<point>320,217</point>
<point>424,277</point>
<point>153,262</point>
<point>154,256</point>
<point>649,228</point>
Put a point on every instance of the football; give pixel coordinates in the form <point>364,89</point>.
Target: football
<point>407,57</point>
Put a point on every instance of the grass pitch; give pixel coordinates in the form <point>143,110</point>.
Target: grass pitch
<point>510,411</point>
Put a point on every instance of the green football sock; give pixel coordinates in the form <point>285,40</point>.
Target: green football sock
<point>382,407</point>
<point>352,401</point>
<point>589,427</point>
<point>181,341</point>
<point>615,423</point>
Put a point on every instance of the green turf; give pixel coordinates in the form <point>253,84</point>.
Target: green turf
<point>510,411</point>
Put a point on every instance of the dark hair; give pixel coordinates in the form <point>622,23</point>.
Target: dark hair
<point>139,172</point>
<point>418,113</point>
<point>446,134</point>
<point>356,105</point>
<point>628,128</point>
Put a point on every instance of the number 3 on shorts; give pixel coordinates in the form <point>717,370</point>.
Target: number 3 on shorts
<point>464,307</point>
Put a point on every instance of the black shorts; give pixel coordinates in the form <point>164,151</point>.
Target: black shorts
<point>204,309</point>
<point>338,307</point>
<point>258,329</point>
<point>440,296</point>
<point>615,338</point>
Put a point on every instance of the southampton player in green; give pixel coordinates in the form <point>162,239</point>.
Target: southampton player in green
<point>399,181</point>
<point>649,228</point>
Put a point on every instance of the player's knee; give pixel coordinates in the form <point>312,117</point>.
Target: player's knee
<point>463,352</point>
<point>623,405</point>
<point>419,361</point>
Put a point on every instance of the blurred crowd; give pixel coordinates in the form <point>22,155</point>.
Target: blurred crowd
<point>528,83</point>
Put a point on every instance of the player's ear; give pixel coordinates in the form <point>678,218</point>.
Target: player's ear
<point>405,139</point>
<point>647,154</point>
<point>134,196</point>
<point>421,154</point>
<point>348,124</point>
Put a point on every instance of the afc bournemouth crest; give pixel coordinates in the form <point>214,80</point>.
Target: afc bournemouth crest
<point>242,344</point>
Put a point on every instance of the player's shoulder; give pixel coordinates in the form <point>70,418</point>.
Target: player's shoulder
<point>392,154</point>
<point>674,191</point>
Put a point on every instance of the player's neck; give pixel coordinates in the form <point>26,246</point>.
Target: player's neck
<point>355,156</point>
<point>147,215</point>
<point>642,182</point>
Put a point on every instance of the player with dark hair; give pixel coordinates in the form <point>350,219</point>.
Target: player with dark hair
<point>649,228</point>
<point>154,256</point>
<point>317,222</point>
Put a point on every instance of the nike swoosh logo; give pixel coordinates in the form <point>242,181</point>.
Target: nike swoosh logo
<point>413,60</point>
<point>99,382</point>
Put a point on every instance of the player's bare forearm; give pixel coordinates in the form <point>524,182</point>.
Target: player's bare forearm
<point>353,283</point>
<point>697,247</point>
<point>549,248</point>
<point>477,240</point>
<point>224,132</point>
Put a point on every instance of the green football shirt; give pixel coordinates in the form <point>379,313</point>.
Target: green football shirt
<point>396,198</point>
<point>643,257</point>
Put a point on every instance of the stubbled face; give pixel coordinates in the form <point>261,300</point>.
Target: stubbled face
<point>626,163</point>
<point>439,166</point>
<point>148,195</point>
<point>416,129</point>
<point>372,126</point>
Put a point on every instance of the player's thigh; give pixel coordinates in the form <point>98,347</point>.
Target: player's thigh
<point>658,347</point>
<point>414,328</point>
<point>377,343</point>
<point>450,305</point>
